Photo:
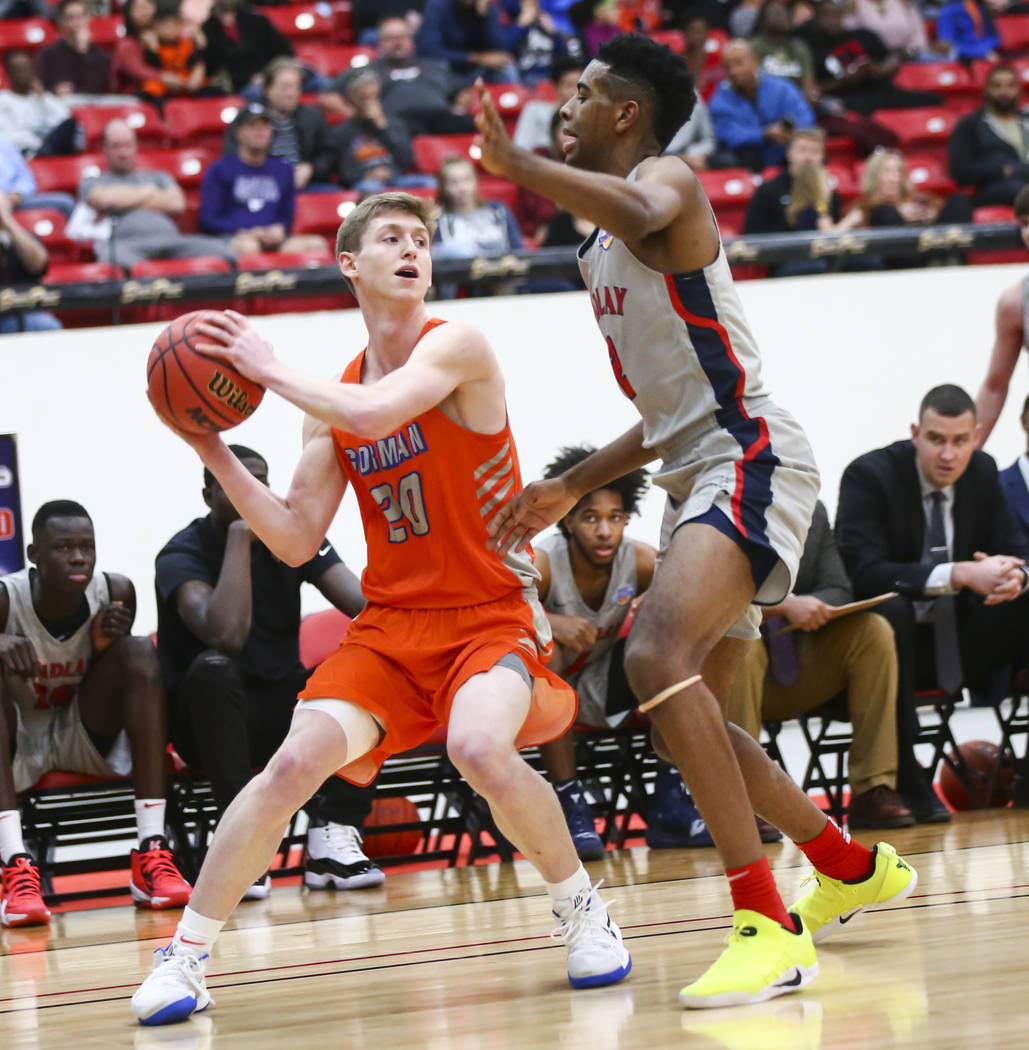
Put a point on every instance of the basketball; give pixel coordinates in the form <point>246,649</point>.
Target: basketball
<point>197,393</point>
<point>386,812</point>
<point>986,765</point>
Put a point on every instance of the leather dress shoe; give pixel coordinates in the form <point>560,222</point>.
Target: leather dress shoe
<point>879,807</point>
<point>924,803</point>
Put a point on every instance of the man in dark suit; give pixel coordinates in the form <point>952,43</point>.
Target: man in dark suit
<point>927,518</point>
<point>1013,479</point>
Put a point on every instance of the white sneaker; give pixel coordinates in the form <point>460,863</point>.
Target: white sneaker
<point>335,860</point>
<point>174,990</point>
<point>259,890</point>
<point>596,954</point>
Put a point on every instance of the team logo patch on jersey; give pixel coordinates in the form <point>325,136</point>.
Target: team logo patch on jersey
<point>624,594</point>
<point>605,239</point>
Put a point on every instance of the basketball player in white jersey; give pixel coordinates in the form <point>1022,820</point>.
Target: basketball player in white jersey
<point>72,678</point>
<point>741,486</point>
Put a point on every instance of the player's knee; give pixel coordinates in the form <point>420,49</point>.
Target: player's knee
<point>479,758</point>
<point>649,662</point>
<point>292,773</point>
<point>138,655</point>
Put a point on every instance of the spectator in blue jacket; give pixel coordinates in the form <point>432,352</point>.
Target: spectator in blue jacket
<point>753,112</point>
<point>969,28</point>
<point>250,197</point>
<point>19,184</point>
<point>469,35</point>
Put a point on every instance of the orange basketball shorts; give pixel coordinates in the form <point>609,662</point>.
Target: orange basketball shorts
<point>405,665</point>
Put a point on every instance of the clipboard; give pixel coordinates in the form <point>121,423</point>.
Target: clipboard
<point>850,607</point>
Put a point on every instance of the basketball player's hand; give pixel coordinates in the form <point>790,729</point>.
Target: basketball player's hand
<point>195,441</point>
<point>528,513</point>
<point>112,622</point>
<point>17,656</point>
<point>498,151</point>
<point>573,632</point>
<point>233,339</point>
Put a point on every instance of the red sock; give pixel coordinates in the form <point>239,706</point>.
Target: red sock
<point>836,854</point>
<point>754,888</point>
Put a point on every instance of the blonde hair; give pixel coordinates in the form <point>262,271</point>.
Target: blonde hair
<point>870,178</point>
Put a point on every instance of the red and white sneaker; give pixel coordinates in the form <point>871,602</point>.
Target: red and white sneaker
<point>156,882</point>
<point>23,897</point>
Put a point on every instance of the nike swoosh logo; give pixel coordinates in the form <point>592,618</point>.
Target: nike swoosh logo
<point>793,982</point>
<point>844,919</point>
<point>150,805</point>
<point>325,550</point>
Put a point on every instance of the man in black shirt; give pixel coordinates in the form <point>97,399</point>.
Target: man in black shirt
<point>23,261</point>
<point>228,616</point>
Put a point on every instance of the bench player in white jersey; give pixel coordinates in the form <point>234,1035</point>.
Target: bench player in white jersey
<point>741,486</point>
<point>72,678</point>
<point>592,577</point>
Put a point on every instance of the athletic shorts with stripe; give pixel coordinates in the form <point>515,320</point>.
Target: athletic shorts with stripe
<point>404,666</point>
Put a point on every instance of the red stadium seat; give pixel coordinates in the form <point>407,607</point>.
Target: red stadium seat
<point>323,212</point>
<point>729,190</point>
<point>981,70</point>
<point>106,30</point>
<point>509,99</point>
<point>1014,33</point>
<point>65,173</point>
<point>140,116</point>
<point>494,188</point>
<point>186,166</point>
<point>201,122</point>
<point>74,273</point>
<point>994,213</point>
<point>431,150</point>
<point>332,59</point>
<point>930,174</point>
<point>48,225</point>
<point>673,38</point>
<point>28,34</point>
<point>180,267</point>
<point>945,78</point>
<point>926,128</point>
<point>842,180</point>
<point>342,26</point>
<point>300,22</point>
<point>320,635</point>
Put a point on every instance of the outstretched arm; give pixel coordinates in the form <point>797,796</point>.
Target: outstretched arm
<point>1007,343</point>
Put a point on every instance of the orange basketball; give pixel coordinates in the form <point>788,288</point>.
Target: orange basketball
<point>196,392</point>
<point>385,813</point>
<point>986,765</point>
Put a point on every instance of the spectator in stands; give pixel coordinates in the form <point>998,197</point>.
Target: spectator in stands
<point>1014,480</point>
<point>1010,335</point>
<point>592,578</point>
<point>854,65</point>
<point>805,658</point>
<point>129,65</point>
<point>754,113</point>
<point>799,198</point>
<point>19,184</point>
<point>533,130</point>
<point>228,628</point>
<point>470,226</point>
<point>695,140</point>
<point>927,517</point>
<point>535,42</point>
<point>419,90</point>
<point>705,64</point>
<point>781,52</point>
<point>75,683</point>
<point>18,9</point>
<point>141,206</point>
<point>367,16</point>
<point>298,130</point>
<point>898,24</point>
<point>468,34</point>
<point>241,43</point>
<point>888,198</point>
<point>36,121</point>
<point>23,261</point>
<point>177,60</point>
<point>371,150</point>
<point>74,64</point>
<point>989,149</point>
<point>968,28</point>
<point>251,197</point>
<point>595,22</point>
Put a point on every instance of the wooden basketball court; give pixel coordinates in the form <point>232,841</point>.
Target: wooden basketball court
<point>460,958</point>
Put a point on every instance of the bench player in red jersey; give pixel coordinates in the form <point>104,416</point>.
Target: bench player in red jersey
<point>453,633</point>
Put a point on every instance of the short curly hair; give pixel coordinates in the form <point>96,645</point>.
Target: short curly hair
<point>656,72</point>
<point>629,486</point>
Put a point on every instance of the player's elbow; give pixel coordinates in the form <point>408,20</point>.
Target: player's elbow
<point>373,419</point>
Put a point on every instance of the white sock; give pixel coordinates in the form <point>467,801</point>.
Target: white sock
<point>149,817</point>
<point>565,894</point>
<point>196,933</point>
<point>11,842</point>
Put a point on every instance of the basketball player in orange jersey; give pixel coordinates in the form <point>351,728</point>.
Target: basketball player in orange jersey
<point>741,485</point>
<point>453,633</point>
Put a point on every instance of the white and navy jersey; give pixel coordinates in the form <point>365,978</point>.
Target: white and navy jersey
<point>565,599</point>
<point>63,662</point>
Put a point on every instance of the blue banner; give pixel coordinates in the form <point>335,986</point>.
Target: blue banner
<point>12,548</point>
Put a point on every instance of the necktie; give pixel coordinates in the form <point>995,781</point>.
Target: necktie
<point>782,652</point>
<point>945,621</point>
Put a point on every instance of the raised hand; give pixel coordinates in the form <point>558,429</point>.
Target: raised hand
<point>498,151</point>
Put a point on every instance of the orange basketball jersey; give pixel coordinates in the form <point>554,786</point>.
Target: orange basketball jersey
<point>426,493</point>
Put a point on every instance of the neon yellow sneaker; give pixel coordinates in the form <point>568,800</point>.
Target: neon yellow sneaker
<point>762,960</point>
<point>832,903</point>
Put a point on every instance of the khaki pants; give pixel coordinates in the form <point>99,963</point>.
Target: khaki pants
<point>856,653</point>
